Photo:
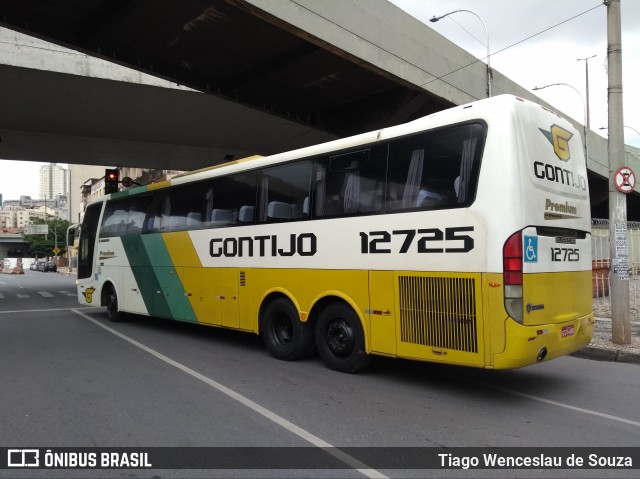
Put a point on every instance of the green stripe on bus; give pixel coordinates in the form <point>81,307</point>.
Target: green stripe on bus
<point>132,191</point>
<point>171,300</point>
<point>141,268</point>
<point>158,281</point>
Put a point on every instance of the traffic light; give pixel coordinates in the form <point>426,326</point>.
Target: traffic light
<point>110,181</point>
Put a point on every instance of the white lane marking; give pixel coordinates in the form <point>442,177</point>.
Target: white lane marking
<point>22,296</point>
<point>1,296</point>
<point>42,310</point>
<point>553,403</point>
<point>45,294</point>
<point>288,425</point>
<point>67,293</point>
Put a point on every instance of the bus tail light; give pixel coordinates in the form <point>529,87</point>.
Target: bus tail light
<point>512,275</point>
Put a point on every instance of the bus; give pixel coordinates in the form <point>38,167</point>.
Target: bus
<point>461,238</point>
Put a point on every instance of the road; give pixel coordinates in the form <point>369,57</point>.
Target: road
<point>70,378</point>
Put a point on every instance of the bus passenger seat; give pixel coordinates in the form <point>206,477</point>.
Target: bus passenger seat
<point>177,222</point>
<point>370,201</point>
<point>296,211</point>
<point>427,198</point>
<point>279,210</point>
<point>246,214</point>
<point>221,217</point>
<point>193,219</point>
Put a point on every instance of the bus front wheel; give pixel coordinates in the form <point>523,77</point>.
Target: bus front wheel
<point>111,302</point>
<point>284,335</point>
<point>340,339</point>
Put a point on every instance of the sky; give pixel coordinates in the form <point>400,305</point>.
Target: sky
<point>550,57</point>
<point>19,178</point>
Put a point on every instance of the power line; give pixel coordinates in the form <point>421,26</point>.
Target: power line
<point>378,46</point>
<point>441,78</point>
<point>509,46</point>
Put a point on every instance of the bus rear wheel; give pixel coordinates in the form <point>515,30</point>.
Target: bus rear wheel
<point>111,302</point>
<point>284,335</point>
<point>340,339</point>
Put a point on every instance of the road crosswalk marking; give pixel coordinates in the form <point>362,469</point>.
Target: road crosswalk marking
<point>44,294</point>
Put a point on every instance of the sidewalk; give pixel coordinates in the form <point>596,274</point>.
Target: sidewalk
<point>602,348</point>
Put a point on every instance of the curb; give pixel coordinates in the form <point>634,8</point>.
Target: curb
<point>615,355</point>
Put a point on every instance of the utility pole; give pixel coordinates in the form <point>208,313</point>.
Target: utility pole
<point>620,321</point>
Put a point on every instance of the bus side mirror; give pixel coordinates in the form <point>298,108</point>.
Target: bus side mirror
<point>71,233</point>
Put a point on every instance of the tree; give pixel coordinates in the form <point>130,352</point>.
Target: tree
<point>41,247</point>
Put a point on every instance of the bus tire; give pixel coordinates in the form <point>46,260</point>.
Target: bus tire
<point>340,339</point>
<point>284,335</point>
<point>111,302</point>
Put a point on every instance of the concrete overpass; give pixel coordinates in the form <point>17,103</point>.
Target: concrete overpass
<point>277,74</point>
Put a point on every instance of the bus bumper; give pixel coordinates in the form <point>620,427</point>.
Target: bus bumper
<point>532,344</point>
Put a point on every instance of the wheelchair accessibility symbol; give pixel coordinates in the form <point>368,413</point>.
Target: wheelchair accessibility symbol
<point>530,249</point>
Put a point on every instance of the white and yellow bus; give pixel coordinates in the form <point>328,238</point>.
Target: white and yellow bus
<point>460,238</point>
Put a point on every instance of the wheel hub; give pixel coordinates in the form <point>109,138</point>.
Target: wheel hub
<point>340,338</point>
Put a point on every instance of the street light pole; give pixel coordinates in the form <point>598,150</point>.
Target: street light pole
<point>585,113</point>
<point>435,19</point>
<point>586,71</point>
<point>55,234</point>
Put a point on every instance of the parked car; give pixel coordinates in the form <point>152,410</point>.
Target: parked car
<point>34,266</point>
<point>40,265</point>
<point>50,266</point>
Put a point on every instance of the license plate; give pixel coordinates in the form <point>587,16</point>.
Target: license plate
<point>568,330</point>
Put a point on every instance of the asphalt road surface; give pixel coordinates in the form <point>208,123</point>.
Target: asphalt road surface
<point>70,378</point>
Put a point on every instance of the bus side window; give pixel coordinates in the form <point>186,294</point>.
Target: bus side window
<point>183,207</point>
<point>284,190</point>
<point>434,170</point>
<point>140,212</point>
<point>230,200</point>
<point>115,218</point>
<point>351,183</point>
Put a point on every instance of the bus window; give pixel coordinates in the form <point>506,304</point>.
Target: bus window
<point>115,218</point>
<point>434,170</point>
<point>350,183</point>
<point>182,207</point>
<point>230,200</point>
<point>142,213</point>
<point>284,192</point>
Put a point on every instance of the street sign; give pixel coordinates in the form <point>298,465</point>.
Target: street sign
<point>56,250</point>
<point>36,229</point>
<point>625,180</point>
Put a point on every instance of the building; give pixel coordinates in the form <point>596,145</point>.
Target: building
<point>81,178</point>
<point>54,181</point>
<point>16,217</point>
